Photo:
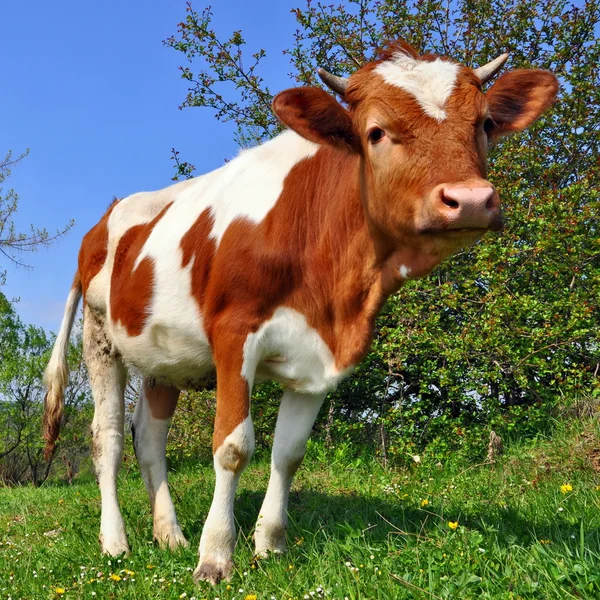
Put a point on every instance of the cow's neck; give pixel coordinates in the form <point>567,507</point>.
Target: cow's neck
<point>348,271</point>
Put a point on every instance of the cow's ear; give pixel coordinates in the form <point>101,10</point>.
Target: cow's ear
<point>317,116</point>
<point>518,98</point>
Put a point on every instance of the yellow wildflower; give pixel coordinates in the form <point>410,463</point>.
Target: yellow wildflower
<point>115,577</point>
<point>545,542</point>
<point>424,502</point>
<point>567,487</point>
<point>61,501</point>
<point>453,524</point>
<point>250,597</point>
<point>59,590</point>
<point>149,566</point>
<point>128,572</point>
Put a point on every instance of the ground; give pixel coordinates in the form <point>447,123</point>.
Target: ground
<point>526,527</point>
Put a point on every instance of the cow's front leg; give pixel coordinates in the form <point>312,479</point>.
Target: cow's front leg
<point>297,415</point>
<point>233,445</point>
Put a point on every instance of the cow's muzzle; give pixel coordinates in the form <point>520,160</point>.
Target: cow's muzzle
<point>465,205</point>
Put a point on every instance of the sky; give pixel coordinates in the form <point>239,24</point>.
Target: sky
<point>92,92</point>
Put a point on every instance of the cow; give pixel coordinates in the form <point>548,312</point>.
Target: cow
<point>274,267</point>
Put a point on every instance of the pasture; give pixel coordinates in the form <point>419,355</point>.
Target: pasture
<point>495,338</point>
<point>527,527</point>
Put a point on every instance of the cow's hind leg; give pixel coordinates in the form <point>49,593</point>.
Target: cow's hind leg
<point>233,445</point>
<point>150,427</point>
<point>296,417</point>
<point>107,380</point>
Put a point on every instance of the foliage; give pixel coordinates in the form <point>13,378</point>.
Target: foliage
<point>252,111</point>
<point>24,353</point>
<point>190,435</point>
<point>495,336</point>
<point>356,531</point>
<point>13,243</point>
<point>183,169</point>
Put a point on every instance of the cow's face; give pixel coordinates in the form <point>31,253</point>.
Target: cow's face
<point>422,126</point>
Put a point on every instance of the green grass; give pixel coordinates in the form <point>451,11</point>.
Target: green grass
<point>356,531</point>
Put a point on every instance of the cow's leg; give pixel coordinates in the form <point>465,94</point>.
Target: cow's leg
<point>149,427</point>
<point>233,445</point>
<point>107,380</point>
<point>297,415</point>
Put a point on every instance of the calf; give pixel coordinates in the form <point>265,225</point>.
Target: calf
<point>275,267</point>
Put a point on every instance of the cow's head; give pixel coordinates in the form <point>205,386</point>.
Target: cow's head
<point>422,126</point>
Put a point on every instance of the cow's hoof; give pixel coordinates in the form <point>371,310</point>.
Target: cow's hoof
<point>213,572</point>
<point>269,541</point>
<point>171,540</point>
<point>270,552</point>
<point>114,546</point>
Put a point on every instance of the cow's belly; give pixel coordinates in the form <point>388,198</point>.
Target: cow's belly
<point>174,354</point>
<point>284,349</point>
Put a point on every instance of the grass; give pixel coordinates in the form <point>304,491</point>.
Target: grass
<point>356,531</point>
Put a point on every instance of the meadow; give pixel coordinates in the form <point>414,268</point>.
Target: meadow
<point>496,338</point>
<point>527,526</point>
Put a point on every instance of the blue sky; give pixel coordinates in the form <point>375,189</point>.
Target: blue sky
<point>90,89</point>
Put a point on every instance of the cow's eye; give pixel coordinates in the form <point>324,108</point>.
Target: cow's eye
<point>488,125</point>
<point>376,135</point>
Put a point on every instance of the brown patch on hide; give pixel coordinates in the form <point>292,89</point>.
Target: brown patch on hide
<point>233,395</point>
<point>196,245</point>
<point>232,458</point>
<point>93,250</point>
<point>162,399</point>
<point>131,289</point>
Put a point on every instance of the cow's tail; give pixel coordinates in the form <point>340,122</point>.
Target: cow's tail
<point>56,375</point>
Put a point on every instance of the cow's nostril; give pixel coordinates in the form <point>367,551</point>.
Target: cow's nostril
<point>449,202</point>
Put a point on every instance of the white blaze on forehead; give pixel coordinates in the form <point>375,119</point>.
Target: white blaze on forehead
<point>430,82</point>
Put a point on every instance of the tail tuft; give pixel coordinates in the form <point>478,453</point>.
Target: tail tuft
<point>53,412</point>
<point>56,375</point>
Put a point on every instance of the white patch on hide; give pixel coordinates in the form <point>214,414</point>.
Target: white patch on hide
<point>286,349</point>
<point>430,82</point>
<point>404,271</point>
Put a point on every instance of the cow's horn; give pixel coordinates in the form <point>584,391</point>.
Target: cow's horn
<point>486,72</point>
<point>333,82</point>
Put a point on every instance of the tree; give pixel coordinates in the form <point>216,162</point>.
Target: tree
<point>496,335</point>
<point>13,243</point>
<point>24,353</point>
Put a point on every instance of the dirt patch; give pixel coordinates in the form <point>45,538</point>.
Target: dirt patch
<point>594,458</point>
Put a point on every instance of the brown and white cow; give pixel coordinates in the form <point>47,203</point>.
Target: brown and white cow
<point>275,267</point>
